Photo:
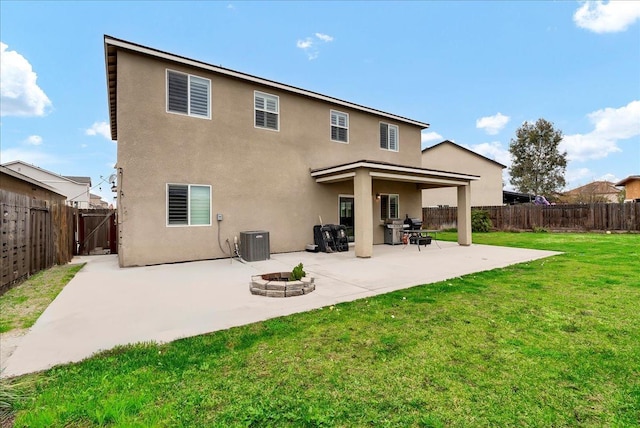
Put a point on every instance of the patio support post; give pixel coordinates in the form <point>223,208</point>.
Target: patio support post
<point>363,213</point>
<point>464,215</point>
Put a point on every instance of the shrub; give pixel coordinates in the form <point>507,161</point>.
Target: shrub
<point>480,221</point>
<point>297,273</point>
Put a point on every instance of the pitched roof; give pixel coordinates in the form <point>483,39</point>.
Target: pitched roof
<point>447,142</point>
<point>627,180</point>
<point>594,188</point>
<point>78,179</point>
<point>29,180</point>
<point>112,45</point>
<point>68,178</point>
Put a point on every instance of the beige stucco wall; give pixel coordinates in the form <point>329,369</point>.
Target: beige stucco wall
<point>487,191</point>
<point>260,178</point>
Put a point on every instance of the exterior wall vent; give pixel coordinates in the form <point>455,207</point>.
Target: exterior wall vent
<point>254,245</point>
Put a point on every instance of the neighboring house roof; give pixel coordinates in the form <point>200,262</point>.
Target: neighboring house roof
<point>447,142</point>
<point>628,180</point>
<point>82,180</point>
<point>594,188</point>
<point>48,172</point>
<point>29,180</point>
<point>112,44</point>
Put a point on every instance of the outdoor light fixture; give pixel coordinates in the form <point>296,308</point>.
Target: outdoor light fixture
<point>378,196</point>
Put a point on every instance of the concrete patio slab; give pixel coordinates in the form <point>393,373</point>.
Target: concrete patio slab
<point>105,306</point>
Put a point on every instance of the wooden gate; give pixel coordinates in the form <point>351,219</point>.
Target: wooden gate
<point>97,232</point>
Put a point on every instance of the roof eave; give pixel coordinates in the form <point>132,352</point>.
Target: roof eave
<point>112,44</point>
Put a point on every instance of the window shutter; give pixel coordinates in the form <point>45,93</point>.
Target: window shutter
<point>272,105</point>
<point>272,121</point>
<point>177,96</point>
<point>393,138</point>
<point>259,102</point>
<point>199,91</point>
<point>393,206</point>
<point>261,118</point>
<point>384,136</point>
<point>384,207</point>
<point>178,204</point>
<point>200,200</point>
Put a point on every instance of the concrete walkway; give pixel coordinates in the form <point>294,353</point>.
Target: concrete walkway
<point>105,306</point>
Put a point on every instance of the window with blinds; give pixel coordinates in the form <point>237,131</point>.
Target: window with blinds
<point>187,94</point>
<point>388,137</point>
<point>188,205</point>
<point>267,111</point>
<point>339,126</point>
<point>389,206</point>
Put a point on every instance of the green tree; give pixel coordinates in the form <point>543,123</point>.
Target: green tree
<point>538,166</point>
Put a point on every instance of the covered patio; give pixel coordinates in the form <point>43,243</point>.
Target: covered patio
<point>363,173</point>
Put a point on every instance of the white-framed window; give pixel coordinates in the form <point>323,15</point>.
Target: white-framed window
<point>188,205</point>
<point>267,111</point>
<point>339,126</point>
<point>389,137</point>
<point>188,94</point>
<point>389,206</point>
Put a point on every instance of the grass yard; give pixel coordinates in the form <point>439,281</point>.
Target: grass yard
<point>21,306</point>
<point>554,342</point>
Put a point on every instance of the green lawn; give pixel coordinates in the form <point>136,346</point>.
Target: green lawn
<point>21,306</point>
<point>554,342</point>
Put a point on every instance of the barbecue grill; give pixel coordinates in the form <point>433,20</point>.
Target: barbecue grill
<point>393,230</point>
<point>413,223</point>
<point>419,238</point>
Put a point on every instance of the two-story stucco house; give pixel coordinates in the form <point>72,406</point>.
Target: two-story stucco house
<point>205,152</point>
<point>75,189</point>
<point>449,156</point>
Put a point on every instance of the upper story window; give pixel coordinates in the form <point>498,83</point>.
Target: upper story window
<point>188,94</point>
<point>267,110</point>
<point>339,126</point>
<point>188,205</point>
<point>388,137</point>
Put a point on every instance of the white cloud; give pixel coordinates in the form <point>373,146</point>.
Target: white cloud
<point>492,124</point>
<point>33,140</point>
<point>610,125</point>
<point>610,17</point>
<point>324,37</point>
<point>20,95</point>
<point>31,156</point>
<point>305,44</point>
<point>577,177</point>
<point>493,150</point>
<point>310,45</point>
<point>99,128</point>
<point>609,177</point>
<point>428,137</point>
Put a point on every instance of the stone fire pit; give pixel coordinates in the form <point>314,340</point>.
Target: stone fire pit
<point>277,284</point>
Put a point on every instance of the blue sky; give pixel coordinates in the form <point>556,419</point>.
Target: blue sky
<point>474,70</point>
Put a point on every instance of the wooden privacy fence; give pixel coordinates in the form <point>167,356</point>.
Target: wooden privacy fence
<point>579,217</point>
<point>37,234</point>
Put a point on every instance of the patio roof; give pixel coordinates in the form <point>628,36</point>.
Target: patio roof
<point>423,177</point>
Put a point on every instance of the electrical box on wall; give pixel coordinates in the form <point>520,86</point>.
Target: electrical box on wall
<point>219,217</point>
